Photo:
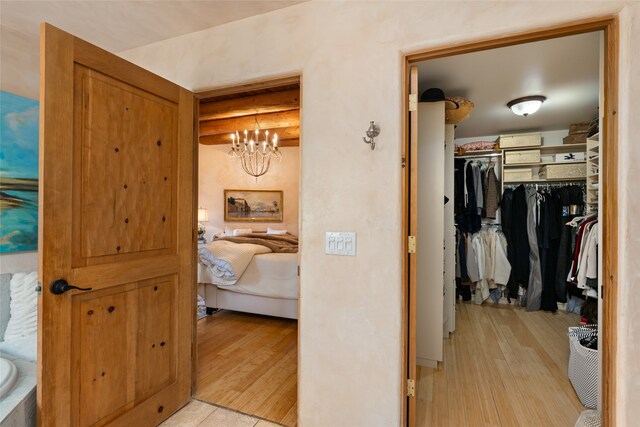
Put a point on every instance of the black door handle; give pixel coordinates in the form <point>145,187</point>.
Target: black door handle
<point>60,286</point>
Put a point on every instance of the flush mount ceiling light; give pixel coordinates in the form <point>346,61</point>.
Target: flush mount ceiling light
<point>526,105</point>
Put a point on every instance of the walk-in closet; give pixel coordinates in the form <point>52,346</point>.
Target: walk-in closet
<point>509,266</point>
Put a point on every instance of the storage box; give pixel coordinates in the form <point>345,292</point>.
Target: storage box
<point>520,140</point>
<point>579,128</point>
<point>517,174</point>
<point>524,156</point>
<point>563,171</point>
<point>578,138</point>
<point>570,157</point>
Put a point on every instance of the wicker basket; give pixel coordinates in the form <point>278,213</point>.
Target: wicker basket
<point>583,366</point>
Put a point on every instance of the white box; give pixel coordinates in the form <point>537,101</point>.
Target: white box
<point>570,157</point>
<point>521,156</point>
<point>520,140</point>
<point>567,171</point>
<point>518,174</point>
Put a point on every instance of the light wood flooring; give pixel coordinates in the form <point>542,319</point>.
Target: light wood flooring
<point>503,366</point>
<point>249,363</point>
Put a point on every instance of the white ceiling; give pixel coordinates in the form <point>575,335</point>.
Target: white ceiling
<point>565,70</point>
<point>113,25</point>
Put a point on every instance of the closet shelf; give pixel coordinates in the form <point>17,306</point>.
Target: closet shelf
<point>478,153</point>
<point>543,181</point>
<point>515,165</point>
<point>553,149</point>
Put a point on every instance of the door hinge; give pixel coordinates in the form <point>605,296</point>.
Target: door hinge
<point>411,387</point>
<point>413,102</point>
<point>411,244</point>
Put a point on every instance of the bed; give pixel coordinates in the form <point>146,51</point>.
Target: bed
<point>264,279</point>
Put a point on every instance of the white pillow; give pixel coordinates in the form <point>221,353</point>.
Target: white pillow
<point>228,231</point>
<point>275,231</point>
<point>23,306</point>
<point>241,231</point>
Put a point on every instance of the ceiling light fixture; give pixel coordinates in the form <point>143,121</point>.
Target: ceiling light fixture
<point>526,105</point>
<point>255,150</point>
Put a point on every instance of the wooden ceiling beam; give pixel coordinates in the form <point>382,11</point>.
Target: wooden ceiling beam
<point>283,119</point>
<point>250,105</point>
<point>225,138</point>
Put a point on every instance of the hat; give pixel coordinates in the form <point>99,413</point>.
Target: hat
<point>461,113</point>
<point>435,94</point>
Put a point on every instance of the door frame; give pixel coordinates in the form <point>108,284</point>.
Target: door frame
<point>266,83</point>
<point>609,174</point>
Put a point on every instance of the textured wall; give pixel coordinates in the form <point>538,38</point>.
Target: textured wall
<point>218,171</point>
<point>18,261</point>
<point>350,57</point>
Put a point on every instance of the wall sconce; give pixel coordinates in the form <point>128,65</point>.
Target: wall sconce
<point>372,132</point>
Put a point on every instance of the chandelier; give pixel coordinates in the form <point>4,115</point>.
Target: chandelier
<point>255,151</point>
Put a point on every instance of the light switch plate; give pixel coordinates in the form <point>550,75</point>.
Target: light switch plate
<point>340,243</point>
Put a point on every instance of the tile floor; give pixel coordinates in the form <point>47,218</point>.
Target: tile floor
<point>201,414</point>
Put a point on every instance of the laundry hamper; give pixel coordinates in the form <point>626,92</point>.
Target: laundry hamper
<point>583,366</point>
<point>589,418</point>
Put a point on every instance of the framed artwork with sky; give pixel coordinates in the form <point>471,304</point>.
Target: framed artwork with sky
<point>18,173</point>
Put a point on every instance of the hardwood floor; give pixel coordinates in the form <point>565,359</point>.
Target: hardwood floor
<point>249,363</point>
<point>503,366</point>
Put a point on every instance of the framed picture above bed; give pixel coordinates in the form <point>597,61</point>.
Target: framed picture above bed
<point>253,205</point>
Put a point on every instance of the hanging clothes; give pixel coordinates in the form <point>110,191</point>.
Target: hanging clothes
<point>549,237</point>
<point>485,261</point>
<point>492,192</point>
<point>534,287</point>
<point>519,237</point>
<point>505,215</point>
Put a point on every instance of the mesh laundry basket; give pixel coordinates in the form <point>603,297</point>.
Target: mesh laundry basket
<point>589,418</point>
<point>583,366</point>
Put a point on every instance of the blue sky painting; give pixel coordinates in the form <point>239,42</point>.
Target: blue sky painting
<point>18,173</point>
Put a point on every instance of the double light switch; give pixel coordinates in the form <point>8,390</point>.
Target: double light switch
<point>340,243</point>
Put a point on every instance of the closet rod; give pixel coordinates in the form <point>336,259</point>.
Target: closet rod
<point>476,156</point>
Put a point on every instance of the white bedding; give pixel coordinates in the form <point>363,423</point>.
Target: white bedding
<point>227,261</point>
<point>272,275</point>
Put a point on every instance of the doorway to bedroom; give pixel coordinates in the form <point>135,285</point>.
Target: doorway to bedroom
<point>248,227</point>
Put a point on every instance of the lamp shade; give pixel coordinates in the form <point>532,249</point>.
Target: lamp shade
<point>203,215</point>
<point>526,105</point>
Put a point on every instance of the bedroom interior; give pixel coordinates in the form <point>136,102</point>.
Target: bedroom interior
<point>248,256</point>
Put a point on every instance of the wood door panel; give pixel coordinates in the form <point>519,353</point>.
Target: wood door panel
<point>156,361</point>
<point>125,348</point>
<point>125,195</point>
<point>104,322</point>
<point>130,365</point>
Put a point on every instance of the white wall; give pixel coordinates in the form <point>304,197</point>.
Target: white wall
<point>218,171</point>
<point>14,262</point>
<point>350,56</point>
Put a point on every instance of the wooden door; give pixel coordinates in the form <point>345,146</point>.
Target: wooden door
<point>413,231</point>
<point>117,217</point>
